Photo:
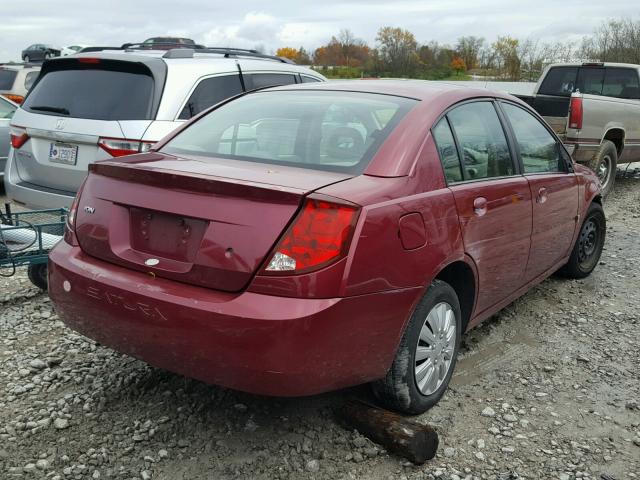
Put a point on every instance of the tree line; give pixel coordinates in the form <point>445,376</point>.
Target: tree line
<point>397,53</point>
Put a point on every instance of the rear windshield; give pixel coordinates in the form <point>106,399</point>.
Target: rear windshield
<point>324,130</point>
<point>97,94</point>
<point>7,78</point>
<point>559,81</point>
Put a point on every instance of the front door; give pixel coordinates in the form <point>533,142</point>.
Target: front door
<point>554,190</point>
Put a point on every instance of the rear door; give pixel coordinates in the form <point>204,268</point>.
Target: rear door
<point>554,189</point>
<point>493,200</point>
<point>75,103</point>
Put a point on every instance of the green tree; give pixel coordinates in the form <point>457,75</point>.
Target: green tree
<point>397,50</point>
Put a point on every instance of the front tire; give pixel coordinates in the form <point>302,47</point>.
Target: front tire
<point>604,164</point>
<point>47,56</point>
<point>426,356</point>
<point>589,244</point>
<point>26,59</point>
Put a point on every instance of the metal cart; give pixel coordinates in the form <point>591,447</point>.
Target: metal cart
<point>26,237</point>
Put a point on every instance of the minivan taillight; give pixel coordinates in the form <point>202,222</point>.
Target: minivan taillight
<point>14,98</point>
<point>575,112</point>
<point>118,147</point>
<point>18,136</point>
<point>319,235</point>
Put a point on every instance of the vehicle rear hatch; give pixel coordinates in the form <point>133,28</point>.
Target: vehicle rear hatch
<point>78,101</point>
<point>204,221</point>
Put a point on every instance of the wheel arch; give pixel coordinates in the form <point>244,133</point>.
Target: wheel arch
<point>461,275</point>
<point>616,135</point>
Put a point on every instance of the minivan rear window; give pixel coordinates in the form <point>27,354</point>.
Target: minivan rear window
<point>93,93</point>
<point>322,130</point>
<point>7,77</point>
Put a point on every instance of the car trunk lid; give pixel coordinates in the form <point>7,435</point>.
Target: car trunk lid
<point>207,222</point>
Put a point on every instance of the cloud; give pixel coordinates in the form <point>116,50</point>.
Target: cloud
<point>307,23</point>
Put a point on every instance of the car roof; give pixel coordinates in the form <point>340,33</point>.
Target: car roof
<point>595,64</point>
<point>418,89</point>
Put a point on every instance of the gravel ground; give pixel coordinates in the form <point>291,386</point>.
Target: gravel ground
<point>547,389</point>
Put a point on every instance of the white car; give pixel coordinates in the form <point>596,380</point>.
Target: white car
<point>71,49</point>
<point>95,106</point>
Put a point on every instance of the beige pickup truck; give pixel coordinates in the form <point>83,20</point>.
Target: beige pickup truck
<point>595,108</point>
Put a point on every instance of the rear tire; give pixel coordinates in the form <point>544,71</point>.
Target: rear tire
<point>604,164</point>
<point>47,56</point>
<point>38,275</point>
<point>589,244</point>
<point>425,359</point>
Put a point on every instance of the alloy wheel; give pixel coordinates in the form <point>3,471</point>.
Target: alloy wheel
<point>434,351</point>
<point>604,170</point>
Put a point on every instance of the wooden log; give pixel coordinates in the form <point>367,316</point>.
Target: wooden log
<point>400,435</point>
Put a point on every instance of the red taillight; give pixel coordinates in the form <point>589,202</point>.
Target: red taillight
<point>319,235</point>
<point>14,98</point>
<point>89,60</point>
<point>70,226</point>
<point>118,147</point>
<point>18,136</point>
<point>575,112</point>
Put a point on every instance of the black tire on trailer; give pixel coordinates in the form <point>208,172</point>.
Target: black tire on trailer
<point>605,163</point>
<point>38,275</point>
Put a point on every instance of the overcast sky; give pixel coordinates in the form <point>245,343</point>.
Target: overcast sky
<point>248,23</point>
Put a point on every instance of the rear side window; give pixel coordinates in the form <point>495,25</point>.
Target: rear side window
<point>621,83</point>
<point>209,92</point>
<point>590,80</point>
<point>538,148</point>
<point>29,79</point>
<point>253,81</point>
<point>95,94</point>
<point>308,79</point>
<point>447,150</point>
<point>482,140</point>
<point>7,77</point>
<point>336,131</point>
<point>559,81</point>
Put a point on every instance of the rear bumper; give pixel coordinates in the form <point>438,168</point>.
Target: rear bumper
<point>32,196</point>
<point>256,343</point>
<point>582,152</point>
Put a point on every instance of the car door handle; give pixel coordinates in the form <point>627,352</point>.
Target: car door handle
<point>542,195</point>
<point>480,206</point>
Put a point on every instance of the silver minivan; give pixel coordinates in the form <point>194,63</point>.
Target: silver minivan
<point>95,106</point>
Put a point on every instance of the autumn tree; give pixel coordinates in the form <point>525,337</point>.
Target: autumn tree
<point>397,50</point>
<point>506,49</point>
<point>468,48</point>
<point>288,52</point>
<point>458,65</point>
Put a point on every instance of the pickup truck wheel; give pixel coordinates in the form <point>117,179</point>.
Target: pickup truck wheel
<point>589,244</point>
<point>604,164</point>
<point>426,356</point>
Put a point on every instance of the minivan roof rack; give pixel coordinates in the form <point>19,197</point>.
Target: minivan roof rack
<point>226,52</point>
<point>160,46</point>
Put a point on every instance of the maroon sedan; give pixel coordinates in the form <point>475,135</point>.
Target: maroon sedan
<point>307,238</point>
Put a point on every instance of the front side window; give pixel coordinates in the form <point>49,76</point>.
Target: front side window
<point>447,151</point>
<point>336,131</point>
<point>538,148</point>
<point>621,83</point>
<point>253,81</point>
<point>209,92</point>
<point>482,141</point>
